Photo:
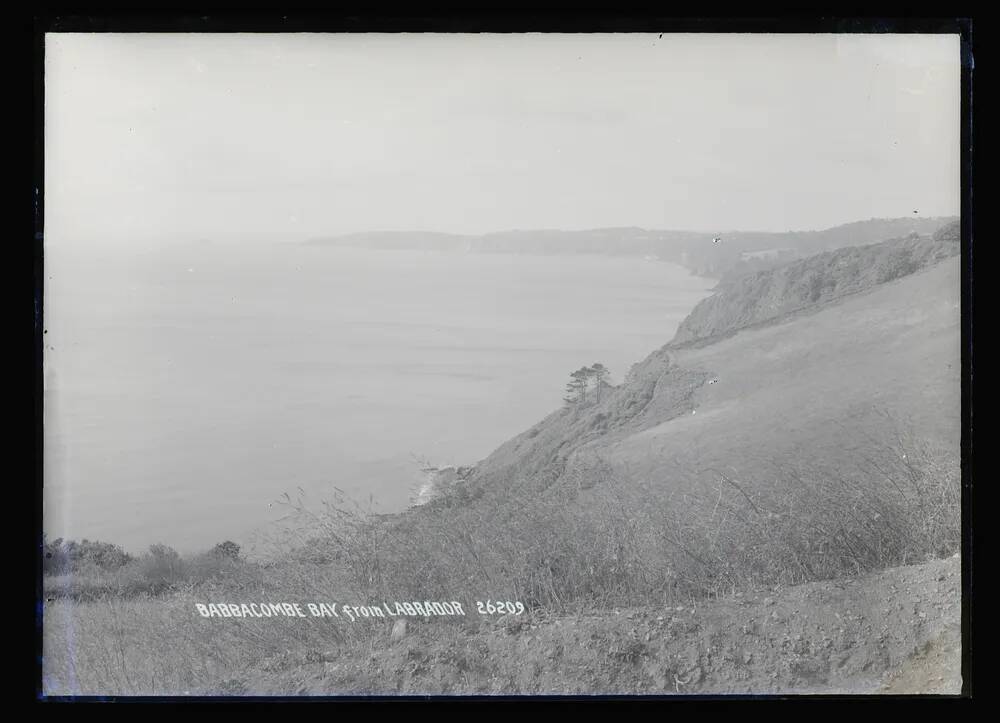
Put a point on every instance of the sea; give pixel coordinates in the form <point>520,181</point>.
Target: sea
<point>199,392</point>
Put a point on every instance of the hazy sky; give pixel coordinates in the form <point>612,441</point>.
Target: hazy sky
<point>201,135</point>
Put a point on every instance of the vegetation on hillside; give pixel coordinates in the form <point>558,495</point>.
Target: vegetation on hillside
<point>133,629</point>
<point>90,570</point>
<point>558,558</point>
<point>898,505</point>
<point>766,295</point>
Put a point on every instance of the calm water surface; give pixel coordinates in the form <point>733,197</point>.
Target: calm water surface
<point>187,389</point>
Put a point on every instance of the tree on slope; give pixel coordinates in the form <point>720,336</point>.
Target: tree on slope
<point>599,373</point>
<point>576,390</point>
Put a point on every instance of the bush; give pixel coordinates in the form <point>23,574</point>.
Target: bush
<point>161,568</point>
<point>227,549</point>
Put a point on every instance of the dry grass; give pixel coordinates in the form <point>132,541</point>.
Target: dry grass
<point>894,502</point>
<point>623,545</point>
<point>160,645</point>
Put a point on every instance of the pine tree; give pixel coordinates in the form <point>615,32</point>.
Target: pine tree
<point>600,374</point>
<point>576,390</point>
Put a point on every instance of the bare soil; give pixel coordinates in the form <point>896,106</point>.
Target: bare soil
<point>892,632</point>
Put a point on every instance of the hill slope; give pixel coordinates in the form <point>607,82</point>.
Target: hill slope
<point>825,385</point>
<point>875,347</point>
<point>811,444</point>
<point>767,295</point>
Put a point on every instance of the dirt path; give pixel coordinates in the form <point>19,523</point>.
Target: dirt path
<point>892,632</point>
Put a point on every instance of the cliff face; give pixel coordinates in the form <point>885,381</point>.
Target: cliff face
<point>770,294</point>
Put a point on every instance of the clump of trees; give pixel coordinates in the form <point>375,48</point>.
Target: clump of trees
<point>90,569</point>
<point>62,556</point>
<point>587,382</point>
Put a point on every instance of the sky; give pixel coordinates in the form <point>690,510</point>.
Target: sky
<point>205,136</point>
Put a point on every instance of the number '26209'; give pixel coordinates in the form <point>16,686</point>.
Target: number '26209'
<point>499,607</point>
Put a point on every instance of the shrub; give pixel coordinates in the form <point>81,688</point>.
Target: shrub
<point>227,549</point>
<point>161,568</point>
